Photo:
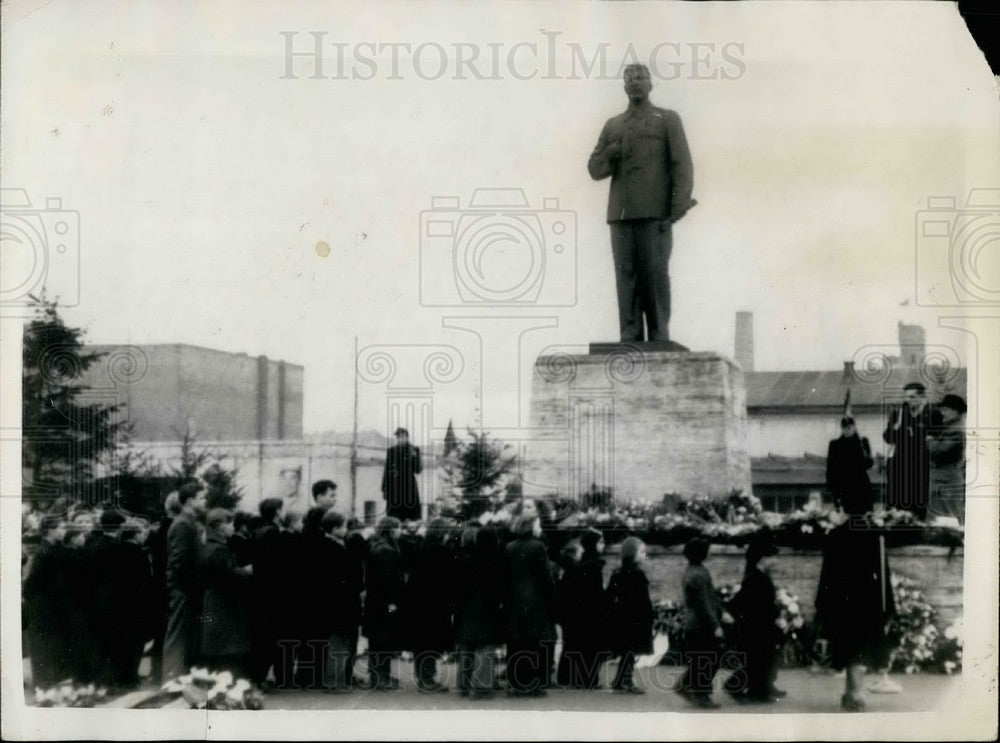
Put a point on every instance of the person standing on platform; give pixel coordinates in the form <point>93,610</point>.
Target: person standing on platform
<point>180,645</point>
<point>399,479</point>
<point>848,460</point>
<point>645,152</point>
<point>630,613</point>
<point>909,467</point>
<point>946,446</point>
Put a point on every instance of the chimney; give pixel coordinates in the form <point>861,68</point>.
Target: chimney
<point>744,340</point>
<point>848,372</point>
<point>912,344</point>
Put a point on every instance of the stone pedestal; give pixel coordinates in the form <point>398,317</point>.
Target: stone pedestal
<point>642,422</point>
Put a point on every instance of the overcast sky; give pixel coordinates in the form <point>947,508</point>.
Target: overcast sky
<point>205,183</point>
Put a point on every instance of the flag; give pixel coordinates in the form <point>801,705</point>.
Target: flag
<point>847,403</point>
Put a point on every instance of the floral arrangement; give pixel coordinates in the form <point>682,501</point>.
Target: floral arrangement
<point>67,695</point>
<point>922,647</point>
<point>217,691</point>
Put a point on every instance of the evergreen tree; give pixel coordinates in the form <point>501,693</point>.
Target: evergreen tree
<point>63,436</point>
<point>450,440</point>
<point>477,468</point>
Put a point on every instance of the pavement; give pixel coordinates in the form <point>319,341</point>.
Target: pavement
<point>808,692</point>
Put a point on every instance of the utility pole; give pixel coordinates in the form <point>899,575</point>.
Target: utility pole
<point>354,438</point>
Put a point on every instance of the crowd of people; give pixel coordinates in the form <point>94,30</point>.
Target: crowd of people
<point>282,599</point>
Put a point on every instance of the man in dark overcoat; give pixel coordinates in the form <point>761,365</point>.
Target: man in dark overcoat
<point>184,587</point>
<point>848,459</point>
<point>645,153</point>
<point>909,467</point>
<point>46,594</point>
<point>385,580</point>
<point>399,479</point>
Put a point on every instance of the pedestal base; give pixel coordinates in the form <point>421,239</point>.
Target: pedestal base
<point>643,423</point>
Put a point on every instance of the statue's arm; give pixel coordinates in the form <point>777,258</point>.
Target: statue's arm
<point>681,168</point>
<point>603,158</point>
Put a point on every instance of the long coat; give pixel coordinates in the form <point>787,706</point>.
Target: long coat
<point>399,482</point>
<point>630,611</point>
<point>755,610</point>
<point>384,587</point>
<point>854,601</point>
<point>848,460</point>
<point>479,597</point>
<point>46,597</point>
<point>430,598</point>
<point>339,592</point>
<point>909,467</point>
<point>582,608</point>
<point>947,483</point>
<point>529,592</point>
<point>224,622</point>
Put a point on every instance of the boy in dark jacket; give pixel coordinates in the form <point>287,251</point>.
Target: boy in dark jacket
<point>630,613</point>
<point>756,612</point>
<point>702,628</point>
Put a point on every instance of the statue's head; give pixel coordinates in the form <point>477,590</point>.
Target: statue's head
<point>638,83</point>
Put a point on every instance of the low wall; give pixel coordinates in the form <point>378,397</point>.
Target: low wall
<point>939,577</point>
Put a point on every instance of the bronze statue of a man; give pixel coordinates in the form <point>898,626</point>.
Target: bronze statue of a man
<point>646,154</point>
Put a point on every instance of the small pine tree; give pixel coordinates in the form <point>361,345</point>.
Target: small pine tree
<point>63,437</point>
<point>476,468</point>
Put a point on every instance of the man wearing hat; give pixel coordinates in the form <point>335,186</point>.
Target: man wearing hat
<point>848,460</point>
<point>946,445</point>
<point>645,152</point>
<point>399,479</point>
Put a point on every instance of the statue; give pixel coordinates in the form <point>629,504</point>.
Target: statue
<point>646,154</point>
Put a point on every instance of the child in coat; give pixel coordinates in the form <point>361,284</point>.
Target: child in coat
<point>630,613</point>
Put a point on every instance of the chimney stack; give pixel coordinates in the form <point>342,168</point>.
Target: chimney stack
<point>744,340</point>
<point>848,372</point>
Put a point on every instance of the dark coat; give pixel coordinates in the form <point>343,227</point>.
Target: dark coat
<point>654,176</point>
<point>529,592</point>
<point>854,601</point>
<point>582,606</point>
<point>46,595</point>
<point>224,619</point>
<point>384,588</point>
<point>848,460</point>
<point>86,657</point>
<point>947,482</point>
<point>399,482</point>
<point>630,611</point>
<point>337,597</point>
<point>908,469</point>
<point>702,613</point>
<point>430,598</point>
<point>184,556</point>
<point>755,609</point>
<point>479,594</point>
